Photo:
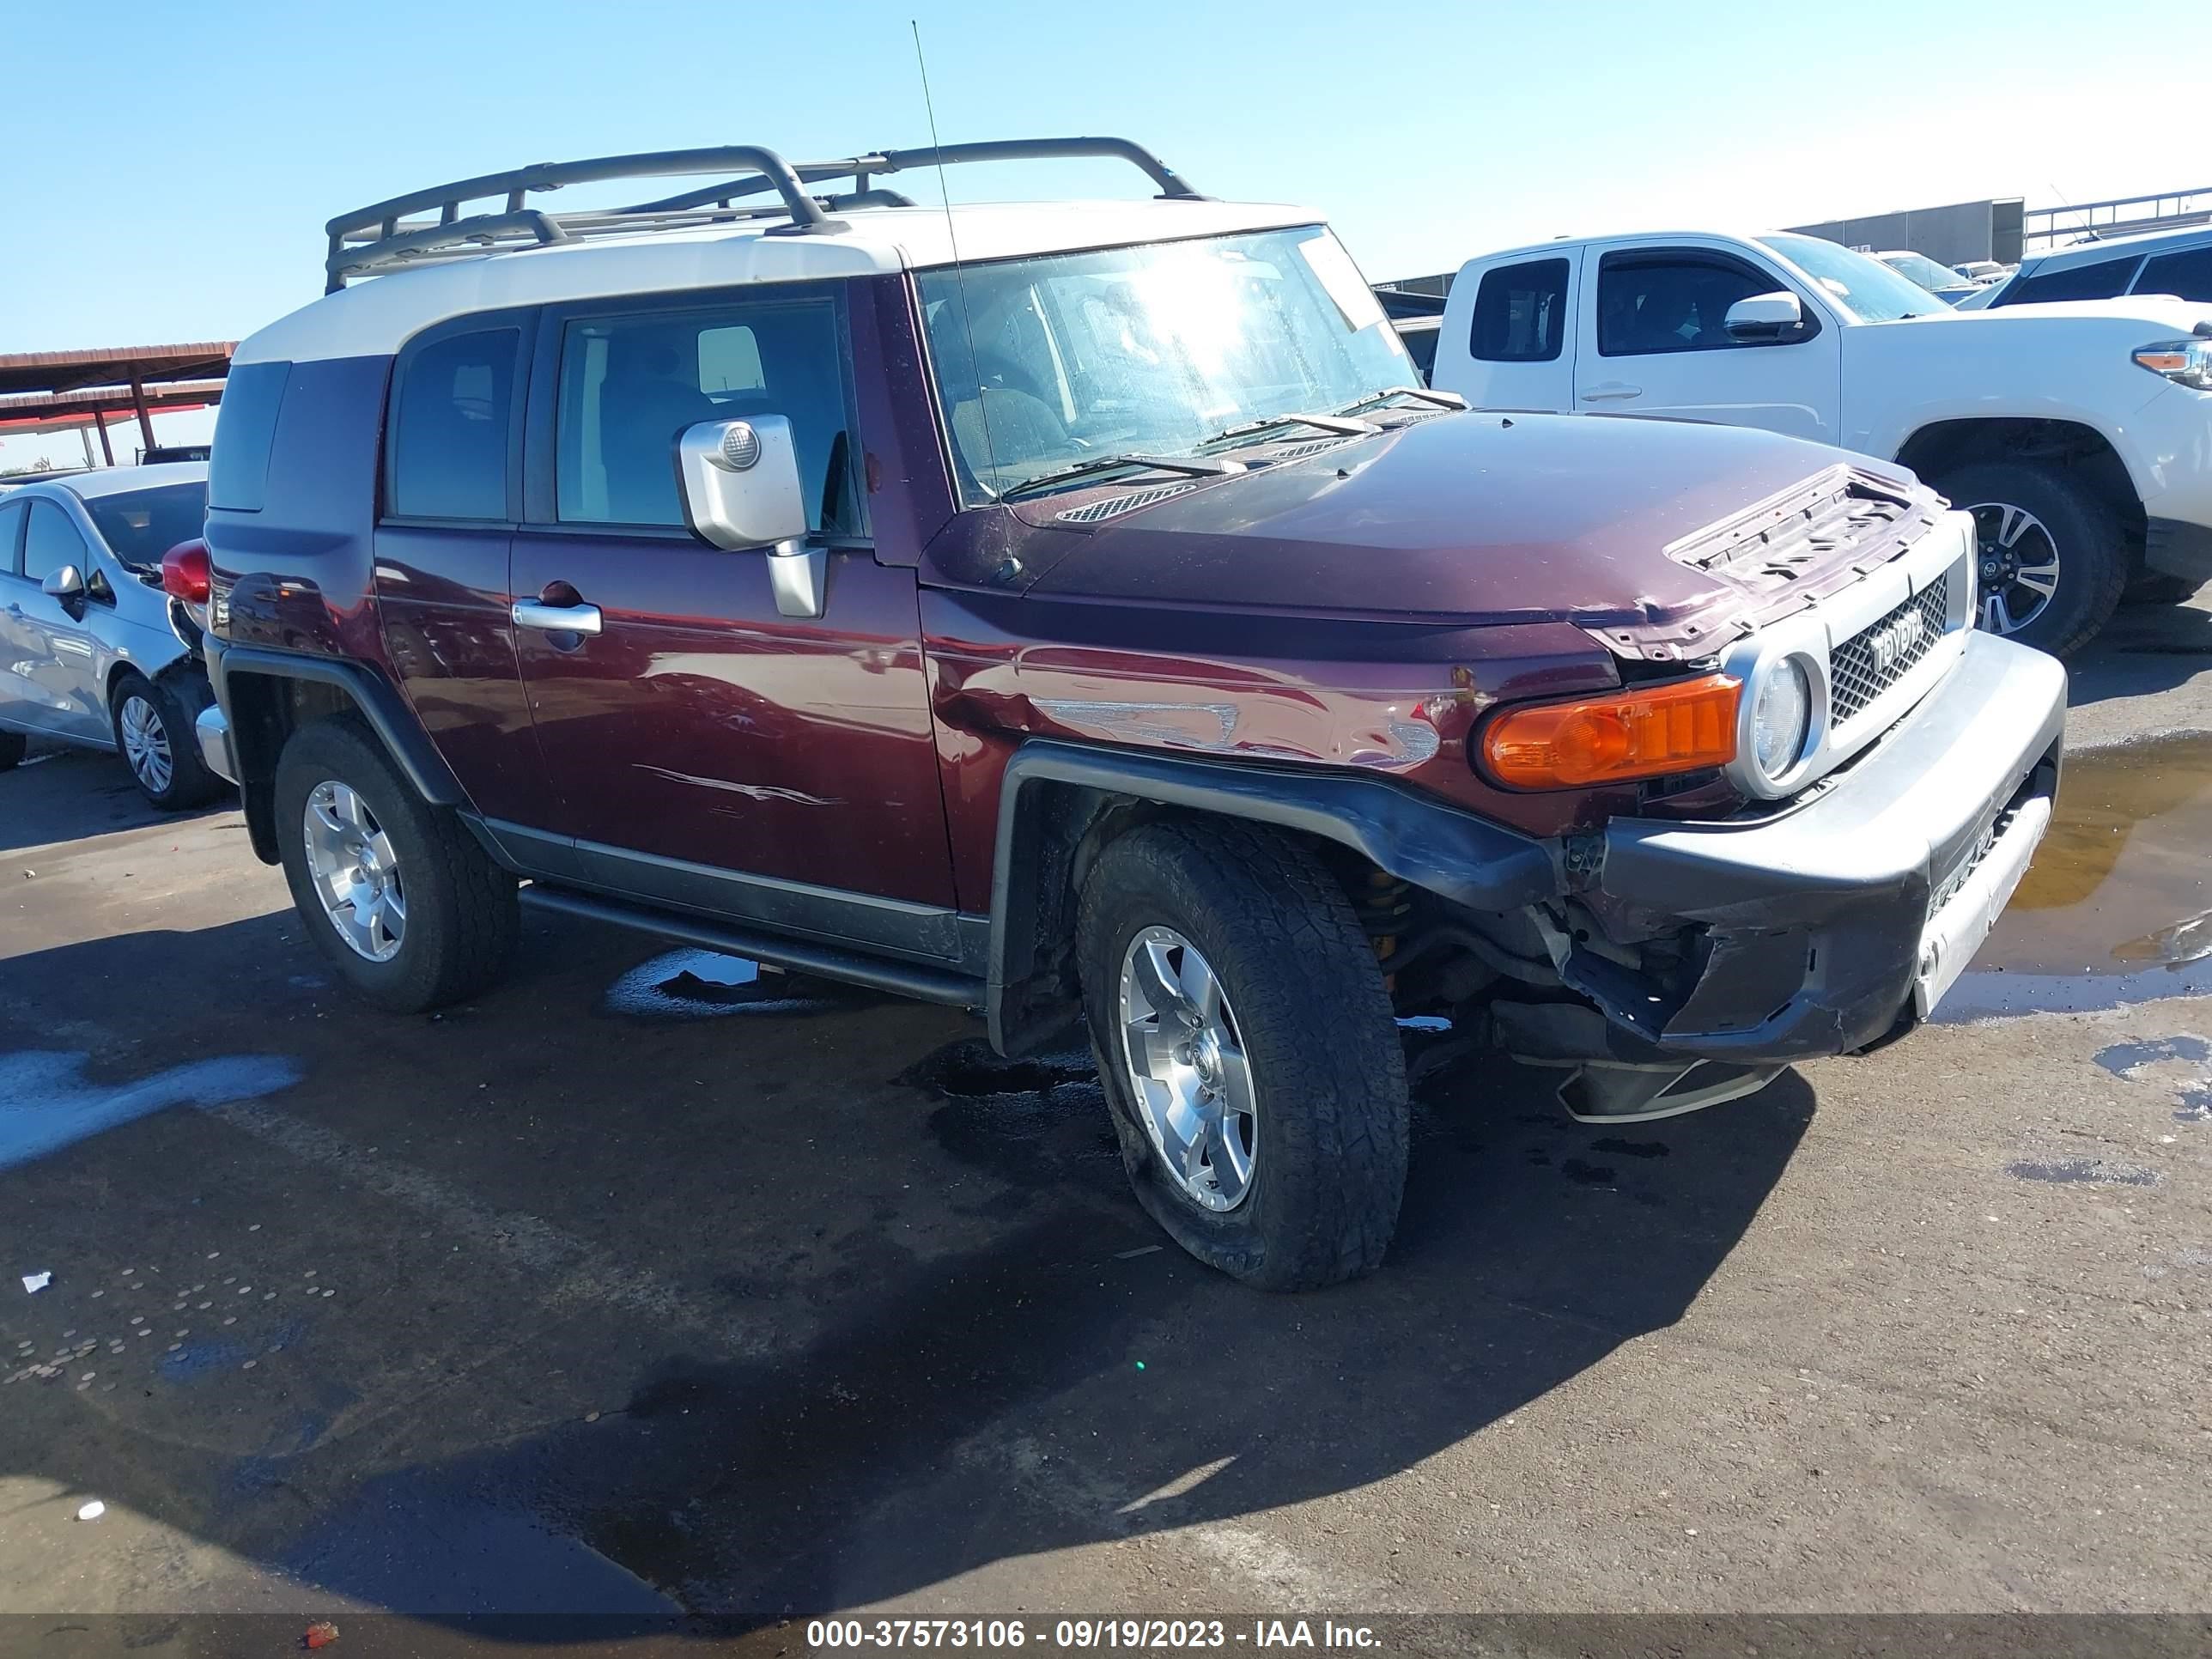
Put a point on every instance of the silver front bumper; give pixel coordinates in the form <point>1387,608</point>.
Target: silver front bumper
<point>1956,927</point>
<point>212,729</point>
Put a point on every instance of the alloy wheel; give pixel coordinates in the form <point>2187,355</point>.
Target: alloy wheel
<point>2017,565</point>
<point>1188,1069</point>
<point>145,743</point>
<point>355,871</point>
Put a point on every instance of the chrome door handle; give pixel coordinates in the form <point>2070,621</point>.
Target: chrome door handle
<point>1610,389</point>
<point>556,618</point>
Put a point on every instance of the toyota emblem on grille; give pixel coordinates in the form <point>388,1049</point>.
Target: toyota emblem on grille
<point>1892,646</point>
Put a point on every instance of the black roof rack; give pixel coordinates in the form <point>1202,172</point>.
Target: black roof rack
<point>381,237</point>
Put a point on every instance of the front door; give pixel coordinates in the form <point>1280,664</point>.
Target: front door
<point>1654,342</point>
<point>710,751</point>
<point>57,663</point>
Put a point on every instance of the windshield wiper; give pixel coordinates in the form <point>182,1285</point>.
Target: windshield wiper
<point>1391,394</point>
<point>1336,425</point>
<point>1202,467</point>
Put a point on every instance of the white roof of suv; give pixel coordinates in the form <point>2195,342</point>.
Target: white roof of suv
<point>375,316</point>
<point>761,220</point>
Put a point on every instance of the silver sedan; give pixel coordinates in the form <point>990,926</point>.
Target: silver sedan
<point>90,652</point>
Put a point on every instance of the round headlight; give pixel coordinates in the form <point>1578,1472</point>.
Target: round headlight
<point>1781,711</point>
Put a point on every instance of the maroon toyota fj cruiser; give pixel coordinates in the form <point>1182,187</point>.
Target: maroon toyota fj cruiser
<point>1076,609</point>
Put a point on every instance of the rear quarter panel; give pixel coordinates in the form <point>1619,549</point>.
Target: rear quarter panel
<point>299,572</point>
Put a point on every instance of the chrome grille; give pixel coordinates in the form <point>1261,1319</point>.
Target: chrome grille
<point>1091,512</point>
<point>1878,656</point>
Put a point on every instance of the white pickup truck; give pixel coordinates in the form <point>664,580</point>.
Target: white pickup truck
<point>2079,436</point>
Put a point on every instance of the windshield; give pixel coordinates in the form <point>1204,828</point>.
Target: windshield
<point>139,525</point>
<point>1867,288</point>
<point>1151,349</point>
<point>1919,268</point>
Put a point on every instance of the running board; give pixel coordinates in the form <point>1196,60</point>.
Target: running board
<point>1611,1092</point>
<point>794,956</point>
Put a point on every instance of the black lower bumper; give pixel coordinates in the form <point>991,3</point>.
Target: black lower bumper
<point>1835,923</point>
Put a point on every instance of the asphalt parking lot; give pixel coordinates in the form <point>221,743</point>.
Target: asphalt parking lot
<point>629,1289</point>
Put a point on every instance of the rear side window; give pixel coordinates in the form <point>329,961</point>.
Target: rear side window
<point>52,542</point>
<point>2186,275</point>
<point>1520,313</point>
<point>1647,304</point>
<point>452,421</point>
<point>244,428</point>
<point>2100,279</point>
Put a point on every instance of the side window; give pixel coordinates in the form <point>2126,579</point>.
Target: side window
<point>630,385</point>
<point>1520,313</point>
<point>448,449</point>
<point>11,535</point>
<point>52,542</point>
<point>2186,275</point>
<point>1652,303</point>
<point>244,428</point>
<point>2101,279</point>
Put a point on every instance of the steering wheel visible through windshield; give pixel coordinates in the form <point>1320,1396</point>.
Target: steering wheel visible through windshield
<point>1042,364</point>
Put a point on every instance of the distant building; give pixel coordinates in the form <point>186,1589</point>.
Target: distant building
<point>1950,235</point>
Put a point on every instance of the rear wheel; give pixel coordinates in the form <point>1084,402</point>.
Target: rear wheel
<point>1247,1051</point>
<point>2050,562</point>
<point>154,734</point>
<point>397,894</point>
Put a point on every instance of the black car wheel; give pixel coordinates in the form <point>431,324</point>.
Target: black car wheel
<point>2049,559</point>
<point>154,734</point>
<point>1247,1049</point>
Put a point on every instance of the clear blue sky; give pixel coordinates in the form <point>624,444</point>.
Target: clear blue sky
<point>1427,133</point>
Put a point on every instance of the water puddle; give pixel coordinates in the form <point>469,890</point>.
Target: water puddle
<point>1033,1122</point>
<point>46,1103</point>
<point>2117,908</point>
<point>2071,1170</point>
<point>707,984</point>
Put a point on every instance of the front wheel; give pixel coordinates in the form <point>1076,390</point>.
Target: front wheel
<point>397,894</point>
<point>2050,560</point>
<point>1247,1051</point>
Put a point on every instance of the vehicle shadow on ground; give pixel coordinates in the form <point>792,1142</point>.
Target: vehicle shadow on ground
<point>2144,649</point>
<point>970,1349</point>
<point>61,795</point>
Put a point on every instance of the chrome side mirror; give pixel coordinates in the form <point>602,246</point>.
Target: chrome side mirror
<point>742,490</point>
<point>1764,318</point>
<point>65,584</point>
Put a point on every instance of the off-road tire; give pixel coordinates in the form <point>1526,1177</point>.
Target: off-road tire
<point>2093,566</point>
<point>462,913</point>
<point>190,784</point>
<point>1316,1021</point>
<point>13,747</point>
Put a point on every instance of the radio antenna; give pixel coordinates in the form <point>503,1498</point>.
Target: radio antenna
<point>959,277</point>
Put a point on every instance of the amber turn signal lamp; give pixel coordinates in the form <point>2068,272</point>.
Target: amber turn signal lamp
<point>1683,727</point>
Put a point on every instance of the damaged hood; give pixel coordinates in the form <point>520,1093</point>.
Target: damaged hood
<point>1650,530</point>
